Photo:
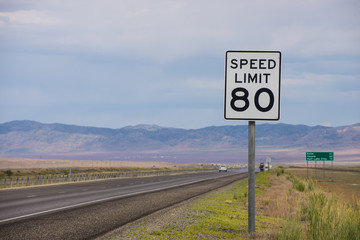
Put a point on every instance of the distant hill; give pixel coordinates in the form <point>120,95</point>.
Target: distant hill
<point>34,139</point>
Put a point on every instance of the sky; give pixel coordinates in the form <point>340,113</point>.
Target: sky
<point>114,63</point>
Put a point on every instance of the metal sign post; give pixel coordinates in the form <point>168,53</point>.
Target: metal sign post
<point>268,161</point>
<point>251,177</point>
<point>252,92</point>
<point>307,169</point>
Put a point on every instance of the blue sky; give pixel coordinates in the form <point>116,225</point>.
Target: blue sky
<point>111,63</point>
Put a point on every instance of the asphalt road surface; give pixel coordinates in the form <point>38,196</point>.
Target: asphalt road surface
<point>91,209</point>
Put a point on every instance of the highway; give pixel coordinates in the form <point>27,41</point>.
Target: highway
<point>90,209</point>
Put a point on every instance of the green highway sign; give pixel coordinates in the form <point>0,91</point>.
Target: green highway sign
<point>319,156</point>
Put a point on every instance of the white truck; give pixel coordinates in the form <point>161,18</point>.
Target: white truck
<point>222,168</point>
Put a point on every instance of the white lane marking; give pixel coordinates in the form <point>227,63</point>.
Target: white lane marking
<point>102,200</point>
<point>31,196</point>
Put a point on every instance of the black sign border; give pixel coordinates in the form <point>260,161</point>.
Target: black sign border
<point>253,119</point>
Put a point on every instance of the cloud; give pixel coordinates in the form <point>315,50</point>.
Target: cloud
<point>167,30</point>
<point>139,60</point>
<point>27,17</point>
<point>322,88</point>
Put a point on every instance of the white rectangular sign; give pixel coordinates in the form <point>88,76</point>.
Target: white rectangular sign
<point>252,85</point>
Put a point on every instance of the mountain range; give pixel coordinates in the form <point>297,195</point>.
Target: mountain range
<point>38,140</point>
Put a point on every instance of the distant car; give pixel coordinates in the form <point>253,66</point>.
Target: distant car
<point>222,168</point>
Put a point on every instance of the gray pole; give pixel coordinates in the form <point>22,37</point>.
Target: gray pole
<point>251,173</point>
<point>307,169</point>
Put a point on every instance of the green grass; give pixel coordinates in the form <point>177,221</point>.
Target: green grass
<point>298,184</point>
<point>329,219</point>
<point>279,171</point>
<point>219,216</point>
<point>225,215</point>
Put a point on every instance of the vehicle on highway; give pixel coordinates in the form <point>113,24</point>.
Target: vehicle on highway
<point>262,167</point>
<point>268,166</point>
<point>222,168</point>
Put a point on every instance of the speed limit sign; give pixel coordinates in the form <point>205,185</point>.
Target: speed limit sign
<point>252,85</point>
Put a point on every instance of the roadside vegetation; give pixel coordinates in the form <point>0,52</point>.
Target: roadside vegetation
<point>221,215</point>
<point>287,207</point>
<point>65,171</point>
<point>321,215</point>
<point>38,177</point>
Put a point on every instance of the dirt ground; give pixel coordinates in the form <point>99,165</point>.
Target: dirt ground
<point>26,163</point>
<point>279,201</point>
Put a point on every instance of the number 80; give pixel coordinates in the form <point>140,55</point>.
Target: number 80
<point>245,99</point>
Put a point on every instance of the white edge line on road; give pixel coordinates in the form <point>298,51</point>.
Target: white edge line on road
<point>100,200</point>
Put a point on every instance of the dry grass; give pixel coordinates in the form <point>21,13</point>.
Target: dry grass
<point>344,185</point>
<point>320,215</point>
<point>280,200</point>
<point>283,201</point>
<point>27,163</point>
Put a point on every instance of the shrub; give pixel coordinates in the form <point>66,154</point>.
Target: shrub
<point>236,196</point>
<point>324,216</point>
<point>298,184</point>
<point>291,231</point>
<point>311,185</point>
<point>9,173</point>
<point>279,171</point>
<point>245,194</point>
<point>331,219</point>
